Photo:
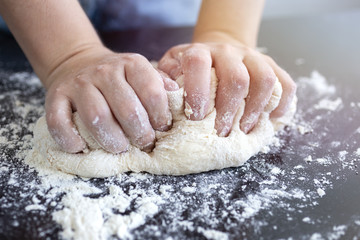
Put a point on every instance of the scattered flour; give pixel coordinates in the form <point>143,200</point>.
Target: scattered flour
<point>306,220</point>
<point>321,192</point>
<point>328,104</point>
<point>308,158</point>
<point>357,152</point>
<point>235,203</point>
<point>317,82</point>
<point>188,189</point>
<point>213,234</point>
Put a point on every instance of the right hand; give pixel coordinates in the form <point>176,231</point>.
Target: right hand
<point>119,97</point>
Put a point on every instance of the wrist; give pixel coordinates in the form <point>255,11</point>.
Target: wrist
<point>224,37</point>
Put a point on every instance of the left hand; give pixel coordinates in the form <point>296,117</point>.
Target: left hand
<point>243,72</point>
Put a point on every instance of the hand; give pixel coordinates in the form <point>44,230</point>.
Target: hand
<point>242,72</point>
<point>117,96</point>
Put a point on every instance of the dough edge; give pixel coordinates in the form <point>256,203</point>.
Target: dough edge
<point>189,147</point>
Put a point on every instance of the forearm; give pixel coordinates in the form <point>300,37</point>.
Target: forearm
<point>49,32</point>
<point>229,21</point>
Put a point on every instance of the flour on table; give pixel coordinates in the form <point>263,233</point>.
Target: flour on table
<point>189,147</point>
<point>235,203</point>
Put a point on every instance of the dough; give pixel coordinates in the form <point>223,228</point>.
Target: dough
<point>189,147</point>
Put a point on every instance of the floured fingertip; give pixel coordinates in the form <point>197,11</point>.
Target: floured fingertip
<point>70,144</point>
<point>170,85</point>
<point>247,123</point>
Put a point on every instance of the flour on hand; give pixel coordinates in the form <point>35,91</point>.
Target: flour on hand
<point>188,147</point>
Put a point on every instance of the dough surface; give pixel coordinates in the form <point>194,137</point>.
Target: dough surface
<point>189,147</point>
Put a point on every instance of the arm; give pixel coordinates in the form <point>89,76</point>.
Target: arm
<point>229,21</point>
<point>49,32</point>
<point>106,89</point>
<point>225,38</point>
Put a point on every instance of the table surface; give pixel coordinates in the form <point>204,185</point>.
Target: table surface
<point>327,43</point>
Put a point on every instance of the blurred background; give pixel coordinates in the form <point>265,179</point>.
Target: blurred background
<point>113,15</point>
<point>286,8</point>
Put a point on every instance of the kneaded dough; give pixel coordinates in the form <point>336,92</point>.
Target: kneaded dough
<point>188,147</point>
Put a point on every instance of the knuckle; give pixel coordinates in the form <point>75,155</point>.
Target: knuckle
<point>225,48</point>
<point>195,56</point>
<point>103,69</point>
<point>177,49</point>
<point>196,46</point>
<point>239,80</point>
<point>196,59</point>
<point>269,79</point>
<point>57,90</point>
<point>138,62</point>
<point>136,58</point>
<point>80,81</point>
<point>268,59</point>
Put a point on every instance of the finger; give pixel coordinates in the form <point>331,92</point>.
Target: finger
<point>170,62</point>
<point>262,80</point>
<point>169,84</point>
<point>232,88</point>
<point>288,87</point>
<point>150,90</point>
<point>196,66</point>
<point>60,124</point>
<point>99,121</point>
<point>127,109</point>
<point>170,66</point>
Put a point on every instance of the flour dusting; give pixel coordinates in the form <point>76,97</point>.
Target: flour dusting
<point>275,190</point>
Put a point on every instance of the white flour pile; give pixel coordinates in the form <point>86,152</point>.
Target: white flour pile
<point>271,192</point>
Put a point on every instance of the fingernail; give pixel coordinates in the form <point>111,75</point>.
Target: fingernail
<point>164,128</point>
<point>84,151</point>
<point>167,126</point>
<point>149,147</point>
<point>122,149</point>
<point>200,114</point>
<point>246,127</point>
<point>249,122</point>
<point>224,132</point>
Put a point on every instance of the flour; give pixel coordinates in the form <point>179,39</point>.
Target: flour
<point>213,234</point>
<point>188,147</point>
<point>271,192</point>
<point>321,192</point>
<point>318,83</point>
<point>357,152</point>
<point>328,104</point>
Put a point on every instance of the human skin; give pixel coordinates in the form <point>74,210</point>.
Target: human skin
<point>117,105</point>
<point>225,38</point>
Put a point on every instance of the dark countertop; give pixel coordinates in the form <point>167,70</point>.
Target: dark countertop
<point>273,196</point>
